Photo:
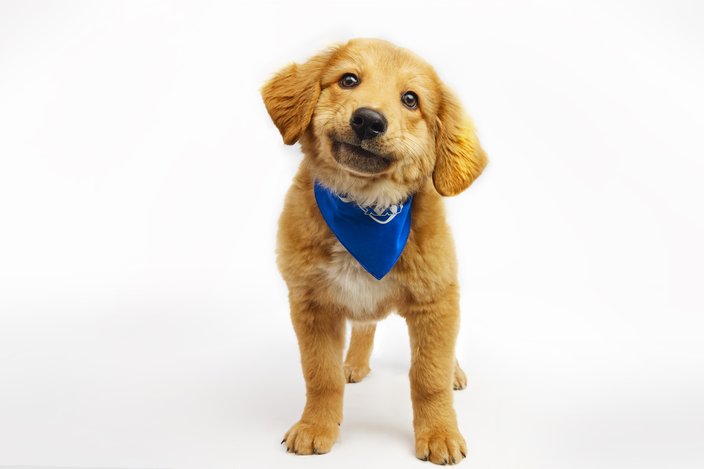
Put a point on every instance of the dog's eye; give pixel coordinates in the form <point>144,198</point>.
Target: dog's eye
<point>349,80</point>
<point>410,99</point>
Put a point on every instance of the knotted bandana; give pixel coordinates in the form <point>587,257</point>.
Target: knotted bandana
<point>374,236</point>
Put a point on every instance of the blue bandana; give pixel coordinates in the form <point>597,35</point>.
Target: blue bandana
<point>374,236</point>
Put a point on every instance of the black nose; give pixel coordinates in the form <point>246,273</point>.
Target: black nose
<point>368,123</point>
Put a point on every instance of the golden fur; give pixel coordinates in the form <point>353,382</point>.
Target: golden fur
<point>433,151</point>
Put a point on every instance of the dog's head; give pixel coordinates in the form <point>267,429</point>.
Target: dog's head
<point>375,122</point>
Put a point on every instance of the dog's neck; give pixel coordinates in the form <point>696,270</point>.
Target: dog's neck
<point>379,194</point>
<point>374,205</point>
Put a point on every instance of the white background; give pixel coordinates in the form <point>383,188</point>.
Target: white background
<point>142,319</point>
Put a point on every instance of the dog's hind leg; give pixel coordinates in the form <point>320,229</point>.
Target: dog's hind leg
<point>360,350</point>
<point>460,380</point>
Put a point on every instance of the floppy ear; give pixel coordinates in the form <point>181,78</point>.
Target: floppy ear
<point>459,158</point>
<point>291,95</point>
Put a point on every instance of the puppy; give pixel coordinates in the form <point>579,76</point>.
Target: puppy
<point>363,229</point>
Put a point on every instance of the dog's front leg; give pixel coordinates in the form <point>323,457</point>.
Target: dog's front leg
<point>433,331</point>
<point>321,339</point>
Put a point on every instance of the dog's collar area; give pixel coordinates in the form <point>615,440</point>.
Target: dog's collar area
<point>375,236</point>
<point>378,213</point>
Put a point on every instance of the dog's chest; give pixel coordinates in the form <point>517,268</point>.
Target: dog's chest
<point>353,287</point>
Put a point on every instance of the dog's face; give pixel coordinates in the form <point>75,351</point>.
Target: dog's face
<point>375,122</point>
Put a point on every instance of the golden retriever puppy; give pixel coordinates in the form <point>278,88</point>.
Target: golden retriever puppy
<point>363,230</point>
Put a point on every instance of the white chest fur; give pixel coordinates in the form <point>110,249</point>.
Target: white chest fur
<point>353,287</point>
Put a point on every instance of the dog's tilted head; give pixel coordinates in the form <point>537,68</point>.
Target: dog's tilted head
<point>375,122</point>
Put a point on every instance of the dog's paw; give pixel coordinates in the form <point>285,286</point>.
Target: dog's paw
<point>310,438</point>
<point>441,447</point>
<point>460,380</point>
<point>355,374</point>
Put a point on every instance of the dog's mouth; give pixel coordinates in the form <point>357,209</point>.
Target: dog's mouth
<point>359,159</point>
